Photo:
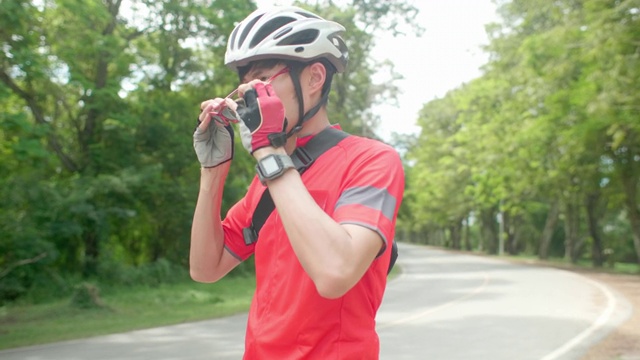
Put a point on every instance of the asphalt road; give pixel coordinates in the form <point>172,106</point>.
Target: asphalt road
<point>445,305</point>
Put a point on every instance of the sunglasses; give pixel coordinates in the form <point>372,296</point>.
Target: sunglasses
<point>226,115</point>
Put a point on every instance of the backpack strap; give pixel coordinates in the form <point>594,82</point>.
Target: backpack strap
<point>394,256</point>
<point>303,157</point>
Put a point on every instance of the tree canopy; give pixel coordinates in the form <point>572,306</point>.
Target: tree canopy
<point>545,143</point>
<point>98,103</point>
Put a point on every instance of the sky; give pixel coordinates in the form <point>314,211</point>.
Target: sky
<point>447,55</point>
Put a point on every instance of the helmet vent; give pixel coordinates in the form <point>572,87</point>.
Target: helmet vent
<point>233,37</point>
<point>299,49</point>
<point>308,15</point>
<point>301,38</point>
<point>282,32</point>
<point>339,43</point>
<point>247,29</point>
<point>268,28</point>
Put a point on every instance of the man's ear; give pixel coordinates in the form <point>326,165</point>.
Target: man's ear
<point>317,76</point>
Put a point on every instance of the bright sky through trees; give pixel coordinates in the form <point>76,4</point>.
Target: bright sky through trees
<point>445,56</point>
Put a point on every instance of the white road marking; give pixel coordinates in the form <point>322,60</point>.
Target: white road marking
<point>430,311</point>
<point>597,324</point>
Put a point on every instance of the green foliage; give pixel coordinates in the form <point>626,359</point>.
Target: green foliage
<point>98,101</point>
<point>86,296</point>
<point>114,272</point>
<point>553,118</point>
<point>96,139</point>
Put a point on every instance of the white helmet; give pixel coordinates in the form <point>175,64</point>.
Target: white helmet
<point>288,33</point>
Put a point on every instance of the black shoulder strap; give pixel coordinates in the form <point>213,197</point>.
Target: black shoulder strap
<point>303,157</point>
<point>394,255</point>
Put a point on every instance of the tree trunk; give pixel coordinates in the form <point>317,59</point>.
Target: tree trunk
<point>442,237</point>
<point>91,253</point>
<point>455,232</point>
<point>467,235</point>
<point>514,239</point>
<point>593,214</point>
<point>571,227</point>
<point>634,219</point>
<point>549,228</point>
<point>510,226</point>
<point>630,187</point>
<point>489,230</point>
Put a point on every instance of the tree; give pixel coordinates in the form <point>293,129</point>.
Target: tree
<point>99,101</point>
<point>549,128</point>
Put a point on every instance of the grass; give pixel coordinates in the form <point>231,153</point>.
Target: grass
<point>134,308</point>
<point>626,268</point>
<point>125,309</point>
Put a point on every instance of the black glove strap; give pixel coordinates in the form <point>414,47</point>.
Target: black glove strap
<point>277,139</point>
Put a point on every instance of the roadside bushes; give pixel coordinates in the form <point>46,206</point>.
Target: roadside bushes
<point>150,274</point>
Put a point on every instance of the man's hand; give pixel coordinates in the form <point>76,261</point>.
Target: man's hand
<point>213,142</point>
<point>262,120</point>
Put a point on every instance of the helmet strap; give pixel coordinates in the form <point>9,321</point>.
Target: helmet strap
<point>295,69</point>
<point>294,72</point>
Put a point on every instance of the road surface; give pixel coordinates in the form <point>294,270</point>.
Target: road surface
<point>444,305</point>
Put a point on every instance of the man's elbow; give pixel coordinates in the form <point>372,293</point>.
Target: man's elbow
<point>333,286</point>
<point>203,276</point>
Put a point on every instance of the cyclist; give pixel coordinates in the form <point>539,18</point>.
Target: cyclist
<point>321,257</point>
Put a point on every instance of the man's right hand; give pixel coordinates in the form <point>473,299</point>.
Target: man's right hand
<point>262,119</point>
<point>213,143</point>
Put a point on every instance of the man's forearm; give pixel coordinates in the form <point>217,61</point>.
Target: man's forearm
<point>207,237</point>
<point>332,256</point>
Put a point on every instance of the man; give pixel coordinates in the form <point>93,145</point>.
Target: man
<point>322,256</point>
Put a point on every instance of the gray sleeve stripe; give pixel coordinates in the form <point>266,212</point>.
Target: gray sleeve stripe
<point>371,197</point>
<point>232,253</point>
<point>384,239</point>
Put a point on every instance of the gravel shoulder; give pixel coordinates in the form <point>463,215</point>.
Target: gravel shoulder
<point>622,343</point>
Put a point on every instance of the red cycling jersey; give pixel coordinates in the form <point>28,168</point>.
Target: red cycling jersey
<point>359,181</point>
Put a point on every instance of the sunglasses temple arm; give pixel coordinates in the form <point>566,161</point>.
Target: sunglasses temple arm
<point>283,71</point>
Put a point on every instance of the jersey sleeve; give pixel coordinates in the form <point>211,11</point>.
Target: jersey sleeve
<point>373,192</point>
<point>238,218</point>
